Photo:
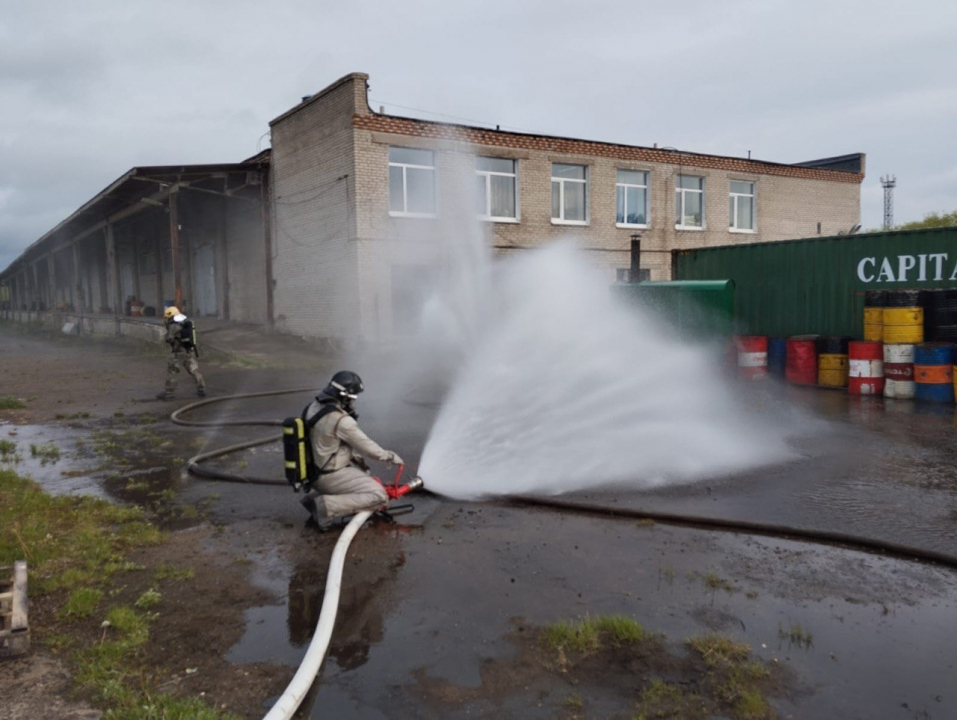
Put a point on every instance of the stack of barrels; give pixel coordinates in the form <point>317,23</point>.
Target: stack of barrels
<point>903,328</point>
<point>892,360</point>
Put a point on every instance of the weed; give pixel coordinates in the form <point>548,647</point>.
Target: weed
<point>242,464</point>
<point>8,449</point>
<point>133,625</point>
<point>645,522</point>
<point>573,702</point>
<point>796,635</point>
<point>660,699</point>
<point>72,416</point>
<point>719,651</point>
<point>714,582</point>
<point>668,573</point>
<point>8,402</point>
<point>148,600</point>
<point>168,572</point>
<point>132,485</point>
<point>81,603</point>
<point>47,454</point>
<point>751,594</point>
<point>751,705</point>
<point>587,635</point>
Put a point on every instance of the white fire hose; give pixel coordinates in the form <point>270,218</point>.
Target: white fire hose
<point>290,700</point>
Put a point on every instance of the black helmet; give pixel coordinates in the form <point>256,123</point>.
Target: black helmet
<point>344,387</point>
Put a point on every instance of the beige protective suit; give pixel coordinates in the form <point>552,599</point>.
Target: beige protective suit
<point>344,486</point>
<point>180,356</point>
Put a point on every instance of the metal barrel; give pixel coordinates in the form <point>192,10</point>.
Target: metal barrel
<point>903,325</point>
<point>832,369</point>
<point>934,372</point>
<point>777,356</point>
<point>801,367</point>
<point>865,368</point>
<point>752,357</point>
<point>940,315</point>
<point>874,303</point>
<point>898,370</point>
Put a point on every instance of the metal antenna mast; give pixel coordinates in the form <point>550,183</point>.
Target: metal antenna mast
<point>888,182</point>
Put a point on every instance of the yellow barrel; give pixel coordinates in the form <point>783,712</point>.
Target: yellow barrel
<point>874,324</point>
<point>832,370</point>
<point>903,326</point>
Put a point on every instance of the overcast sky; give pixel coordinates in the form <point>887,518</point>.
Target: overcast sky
<point>91,89</point>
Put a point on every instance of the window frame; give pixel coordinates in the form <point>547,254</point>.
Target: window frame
<point>680,191</point>
<point>487,176</point>
<point>733,196</point>
<point>646,187</point>
<point>405,184</point>
<point>561,194</point>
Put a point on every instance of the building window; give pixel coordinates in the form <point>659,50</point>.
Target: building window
<point>631,193</point>
<point>569,194</point>
<point>689,202</point>
<point>411,182</point>
<point>741,210</point>
<point>497,189</point>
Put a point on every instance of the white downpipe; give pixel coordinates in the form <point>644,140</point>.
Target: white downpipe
<point>312,661</point>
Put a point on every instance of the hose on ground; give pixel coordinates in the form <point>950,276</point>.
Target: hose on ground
<point>291,698</point>
<point>827,537</point>
<point>823,537</point>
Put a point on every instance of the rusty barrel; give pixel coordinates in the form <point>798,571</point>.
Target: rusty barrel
<point>898,370</point>
<point>801,368</point>
<point>865,368</point>
<point>934,372</point>
<point>752,357</point>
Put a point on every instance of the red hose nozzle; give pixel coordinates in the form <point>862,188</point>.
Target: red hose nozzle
<point>397,491</point>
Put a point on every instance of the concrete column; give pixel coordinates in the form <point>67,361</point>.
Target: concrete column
<point>222,265</point>
<point>174,247</point>
<point>158,252</point>
<point>37,299</point>
<point>79,297</point>
<point>51,277</point>
<point>114,275</point>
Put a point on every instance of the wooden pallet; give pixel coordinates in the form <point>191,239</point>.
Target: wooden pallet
<point>14,630</point>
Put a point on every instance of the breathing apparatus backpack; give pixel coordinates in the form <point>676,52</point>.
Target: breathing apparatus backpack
<point>297,449</point>
<point>187,336</point>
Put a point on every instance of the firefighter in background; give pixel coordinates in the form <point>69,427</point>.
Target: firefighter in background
<point>344,485</point>
<point>181,338</point>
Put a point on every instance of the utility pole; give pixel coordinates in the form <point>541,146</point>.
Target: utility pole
<point>888,182</point>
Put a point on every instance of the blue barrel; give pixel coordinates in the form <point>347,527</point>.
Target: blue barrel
<point>934,372</point>
<point>777,356</point>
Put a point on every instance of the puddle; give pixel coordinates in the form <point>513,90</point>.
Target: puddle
<point>97,462</point>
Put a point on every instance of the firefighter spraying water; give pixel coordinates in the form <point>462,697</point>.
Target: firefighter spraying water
<point>325,454</point>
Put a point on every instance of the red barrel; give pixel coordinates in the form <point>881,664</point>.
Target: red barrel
<point>801,366</point>
<point>752,357</point>
<point>866,376</point>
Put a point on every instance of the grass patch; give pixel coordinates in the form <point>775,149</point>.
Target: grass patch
<point>8,402</point>
<point>72,416</point>
<point>173,573</point>
<point>8,451</point>
<point>47,453</point>
<point>719,651</point>
<point>81,603</point>
<point>714,582</point>
<point>797,635</point>
<point>591,634</point>
<point>76,545</point>
<point>148,600</point>
<point>69,542</point>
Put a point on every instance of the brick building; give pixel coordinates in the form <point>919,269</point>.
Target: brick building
<point>364,204</point>
<point>336,230</point>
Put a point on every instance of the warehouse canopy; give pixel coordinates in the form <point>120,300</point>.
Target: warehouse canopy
<point>144,187</point>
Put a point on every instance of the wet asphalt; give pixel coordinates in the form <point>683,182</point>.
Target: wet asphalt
<point>439,597</point>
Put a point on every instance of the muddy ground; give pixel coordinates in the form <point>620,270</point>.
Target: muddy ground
<point>440,612</point>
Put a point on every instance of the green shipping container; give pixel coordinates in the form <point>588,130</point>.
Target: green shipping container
<point>699,309</point>
<point>817,285</point>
